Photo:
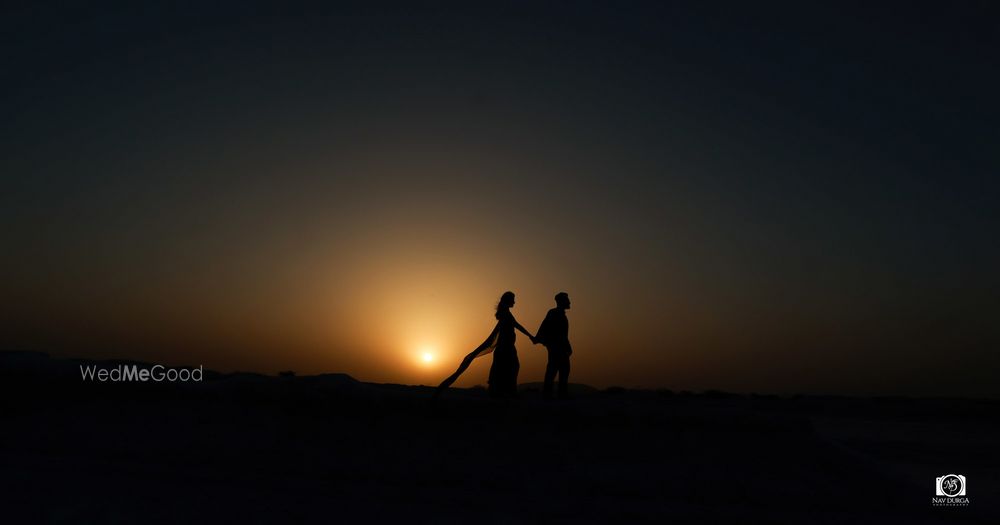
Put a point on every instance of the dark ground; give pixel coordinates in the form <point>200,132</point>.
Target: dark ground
<point>244,448</point>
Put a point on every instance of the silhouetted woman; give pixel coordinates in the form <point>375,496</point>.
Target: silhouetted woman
<point>503,373</point>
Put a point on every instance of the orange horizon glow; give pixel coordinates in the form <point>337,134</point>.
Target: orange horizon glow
<point>362,288</point>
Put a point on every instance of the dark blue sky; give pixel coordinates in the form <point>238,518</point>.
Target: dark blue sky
<point>797,196</point>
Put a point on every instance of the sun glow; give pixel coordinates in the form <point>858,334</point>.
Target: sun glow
<point>426,355</point>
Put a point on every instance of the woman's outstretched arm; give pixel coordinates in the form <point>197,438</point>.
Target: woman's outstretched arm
<point>523,331</point>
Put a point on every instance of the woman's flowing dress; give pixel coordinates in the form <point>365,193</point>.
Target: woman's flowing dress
<point>503,372</point>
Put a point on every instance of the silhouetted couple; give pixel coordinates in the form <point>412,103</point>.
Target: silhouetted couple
<point>553,333</point>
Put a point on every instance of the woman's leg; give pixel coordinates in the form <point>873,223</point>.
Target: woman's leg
<point>492,382</point>
<point>515,367</point>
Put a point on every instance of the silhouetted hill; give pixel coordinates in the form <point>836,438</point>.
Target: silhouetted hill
<point>249,447</point>
<point>575,389</point>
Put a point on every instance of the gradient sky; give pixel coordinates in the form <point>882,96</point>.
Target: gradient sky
<point>801,197</point>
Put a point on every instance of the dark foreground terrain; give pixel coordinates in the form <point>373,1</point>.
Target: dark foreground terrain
<point>242,448</point>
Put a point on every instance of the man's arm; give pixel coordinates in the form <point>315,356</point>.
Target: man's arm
<point>542,334</point>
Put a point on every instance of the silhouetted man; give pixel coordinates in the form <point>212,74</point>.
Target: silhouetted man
<point>554,334</point>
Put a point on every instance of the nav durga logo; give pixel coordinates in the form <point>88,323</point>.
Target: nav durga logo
<point>950,491</point>
<point>951,485</point>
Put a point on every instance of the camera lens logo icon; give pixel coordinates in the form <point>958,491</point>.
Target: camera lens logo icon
<point>951,485</point>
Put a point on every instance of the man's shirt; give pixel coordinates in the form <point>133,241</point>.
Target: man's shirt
<point>554,331</point>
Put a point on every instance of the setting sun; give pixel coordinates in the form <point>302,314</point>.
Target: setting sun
<point>426,354</point>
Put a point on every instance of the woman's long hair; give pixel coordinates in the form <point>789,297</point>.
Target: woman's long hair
<point>505,303</point>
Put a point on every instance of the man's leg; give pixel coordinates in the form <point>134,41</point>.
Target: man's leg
<point>564,376</point>
<point>550,375</point>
